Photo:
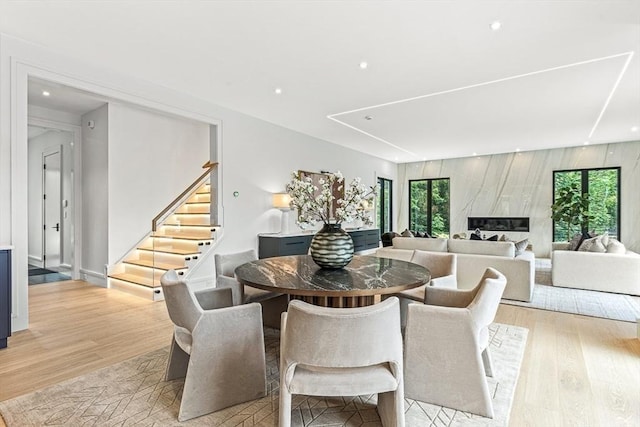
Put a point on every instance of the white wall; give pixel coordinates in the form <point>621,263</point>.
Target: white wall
<point>257,160</point>
<point>50,139</point>
<point>152,159</point>
<point>521,184</point>
<point>95,200</point>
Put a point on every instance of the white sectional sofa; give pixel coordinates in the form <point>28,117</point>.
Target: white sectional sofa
<point>474,257</point>
<point>607,272</point>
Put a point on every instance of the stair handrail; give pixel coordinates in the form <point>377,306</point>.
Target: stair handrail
<point>209,167</point>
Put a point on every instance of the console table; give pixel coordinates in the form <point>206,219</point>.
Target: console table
<point>270,245</point>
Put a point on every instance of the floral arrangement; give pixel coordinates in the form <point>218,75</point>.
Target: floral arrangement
<point>315,202</point>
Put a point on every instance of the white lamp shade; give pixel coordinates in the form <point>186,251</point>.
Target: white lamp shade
<point>281,201</point>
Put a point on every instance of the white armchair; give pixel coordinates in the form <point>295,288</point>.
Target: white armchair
<point>342,352</point>
<point>443,268</point>
<point>218,348</point>
<point>446,345</point>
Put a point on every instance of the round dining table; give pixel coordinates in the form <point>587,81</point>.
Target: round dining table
<point>360,283</point>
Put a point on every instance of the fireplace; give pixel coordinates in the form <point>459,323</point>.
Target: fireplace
<point>492,223</point>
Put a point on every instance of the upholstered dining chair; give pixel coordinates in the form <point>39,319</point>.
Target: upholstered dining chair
<point>443,268</point>
<point>217,347</point>
<point>328,351</point>
<point>273,303</point>
<point>447,345</point>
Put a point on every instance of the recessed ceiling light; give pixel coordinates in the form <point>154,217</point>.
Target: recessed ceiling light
<point>586,143</point>
<point>45,93</point>
<point>517,150</point>
<point>634,128</point>
<point>364,65</point>
<point>396,158</point>
<point>496,25</point>
<point>475,154</point>
<point>277,91</point>
<point>368,118</point>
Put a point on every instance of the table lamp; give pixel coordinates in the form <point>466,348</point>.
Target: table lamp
<point>281,201</point>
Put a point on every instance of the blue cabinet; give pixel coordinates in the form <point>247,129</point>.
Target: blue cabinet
<point>270,245</point>
<point>5,296</point>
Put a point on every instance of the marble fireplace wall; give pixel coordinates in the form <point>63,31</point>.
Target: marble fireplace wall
<point>520,184</point>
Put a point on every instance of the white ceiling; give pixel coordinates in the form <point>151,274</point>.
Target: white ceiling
<point>440,82</point>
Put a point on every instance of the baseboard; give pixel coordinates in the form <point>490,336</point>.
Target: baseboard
<point>35,260</point>
<point>93,277</point>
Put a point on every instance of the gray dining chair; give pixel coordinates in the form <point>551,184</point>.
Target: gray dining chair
<point>327,351</point>
<point>447,345</point>
<point>217,347</point>
<point>273,303</point>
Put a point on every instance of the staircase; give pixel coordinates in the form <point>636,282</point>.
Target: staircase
<point>180,236</point>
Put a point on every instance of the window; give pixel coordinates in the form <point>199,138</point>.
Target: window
<point>383,208</point>
<point>429,206</point>
<point>603,188</point>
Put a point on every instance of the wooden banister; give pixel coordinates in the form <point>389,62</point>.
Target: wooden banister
<point>209,165</point>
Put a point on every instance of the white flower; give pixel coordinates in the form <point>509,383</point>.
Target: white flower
<point>317,203</point>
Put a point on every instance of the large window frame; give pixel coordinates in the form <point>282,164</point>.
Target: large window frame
<point>384,206</point>
<point>429,226</point>
<point>584,183</point>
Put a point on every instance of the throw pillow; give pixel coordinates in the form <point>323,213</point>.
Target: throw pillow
<point>493,238</point>
<point>407,233</point>
<point>502,238</point>
<point>474,236</point>
<point>521,246</point>
<point>575,241</point>
<point>616,247</point>
<point>594,244</point>
<point>418,234</point>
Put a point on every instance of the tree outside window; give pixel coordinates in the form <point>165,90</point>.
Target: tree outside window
<point>601,187</point>
<point>429,206</point>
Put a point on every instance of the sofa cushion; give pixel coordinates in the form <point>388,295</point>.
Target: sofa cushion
<point>433,245</point>
<point>406,233</point>
<point>521,246</point>
<point>594,244</point>
<point>615,247</point>
<point>506,249</point>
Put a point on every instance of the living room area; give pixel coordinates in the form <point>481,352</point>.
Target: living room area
<point>462,115</point>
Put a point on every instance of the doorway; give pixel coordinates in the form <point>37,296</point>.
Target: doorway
<point>50,197</point>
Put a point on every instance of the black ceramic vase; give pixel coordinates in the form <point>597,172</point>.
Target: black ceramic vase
<point>332,247</point>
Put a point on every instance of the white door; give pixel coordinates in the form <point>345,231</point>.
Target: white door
<point>51,207</point>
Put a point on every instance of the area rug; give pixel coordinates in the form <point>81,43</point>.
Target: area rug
<point>577,301</point>
<point>36,271</point>
<point>134,393</point>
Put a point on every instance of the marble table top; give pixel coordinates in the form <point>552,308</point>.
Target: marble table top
<point>364,275</point>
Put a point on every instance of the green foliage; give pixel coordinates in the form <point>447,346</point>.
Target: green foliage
<point>601,212</point>
<point>435,222</point>
<point>571,208</point>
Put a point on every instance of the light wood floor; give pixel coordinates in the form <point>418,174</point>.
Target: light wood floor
<point>577,370</point>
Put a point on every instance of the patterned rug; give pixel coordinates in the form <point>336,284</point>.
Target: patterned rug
<point>577,301</point>
<point>133,393</point>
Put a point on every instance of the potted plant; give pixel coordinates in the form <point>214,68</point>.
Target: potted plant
<point>331,247</point>
<point>571,209</point>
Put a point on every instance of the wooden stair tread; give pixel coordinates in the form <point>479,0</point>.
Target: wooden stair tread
<point>135,279</point>
<point>182,237</point>
<point>191,213</point>
<point>175,224</point>
<point>157,265</point>
<point>175,251</point>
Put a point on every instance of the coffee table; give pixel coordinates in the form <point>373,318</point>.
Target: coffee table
<point>362,282</point>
